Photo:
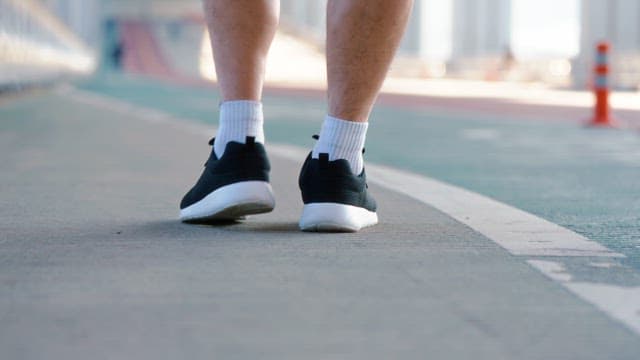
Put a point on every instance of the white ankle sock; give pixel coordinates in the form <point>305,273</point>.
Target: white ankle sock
<point>239,119</point>
<point>342,139</point>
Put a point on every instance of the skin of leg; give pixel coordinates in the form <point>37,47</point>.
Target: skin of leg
<point>362,38</point>
<point>241,33</point>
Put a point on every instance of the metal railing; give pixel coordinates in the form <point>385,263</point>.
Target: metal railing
<point>35,46</point>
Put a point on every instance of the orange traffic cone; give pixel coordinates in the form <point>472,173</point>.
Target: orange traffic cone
<point>602,110</point>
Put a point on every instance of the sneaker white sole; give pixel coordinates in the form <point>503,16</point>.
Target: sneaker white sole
<point>333,217</point>
<point>232,202</point>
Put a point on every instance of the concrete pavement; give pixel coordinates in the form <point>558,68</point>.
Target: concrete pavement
<point>94,264</point>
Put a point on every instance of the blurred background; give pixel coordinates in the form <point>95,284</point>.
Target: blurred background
<point>549,43</point>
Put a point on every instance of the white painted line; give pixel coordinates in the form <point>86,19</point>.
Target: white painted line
<point>551,269</point>
<point>517,231</point>
<point>147,114</point>
<point>480,134</point>
<point>619,302</point>
<point>604,265</point>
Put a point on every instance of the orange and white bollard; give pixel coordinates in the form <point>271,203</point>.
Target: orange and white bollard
<point>602,111</point>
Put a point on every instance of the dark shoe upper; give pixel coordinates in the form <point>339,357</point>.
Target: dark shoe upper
<point>324,181</point>
<point>239,162</point>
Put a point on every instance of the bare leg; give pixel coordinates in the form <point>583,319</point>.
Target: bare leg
<point>241,33</point>
<point>362,37</point>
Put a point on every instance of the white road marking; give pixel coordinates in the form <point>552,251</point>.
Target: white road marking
<point>519,232</point>
<point>480,134</point>
<point>619,302</point>
<point>604,265</point>
<point>552,269</point>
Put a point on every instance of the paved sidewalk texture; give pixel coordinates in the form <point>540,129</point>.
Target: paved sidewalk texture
<point>94,264</point>
<point>580,178</point>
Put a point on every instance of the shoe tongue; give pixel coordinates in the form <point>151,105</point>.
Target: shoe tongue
<point>250,140</point>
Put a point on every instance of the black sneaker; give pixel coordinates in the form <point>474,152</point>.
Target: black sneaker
<point>231,187</point>
<point>334,199</point>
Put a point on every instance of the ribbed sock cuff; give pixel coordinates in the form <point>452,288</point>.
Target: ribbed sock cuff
<point>342,139</point>
<point>239,119</point>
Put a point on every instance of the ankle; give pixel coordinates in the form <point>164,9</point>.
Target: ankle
<point>239,119</point>
<point>342,139</point>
